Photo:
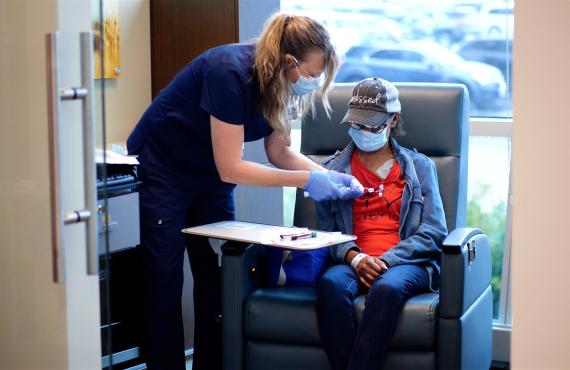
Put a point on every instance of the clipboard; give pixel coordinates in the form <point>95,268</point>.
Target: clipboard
<point>270,235</point>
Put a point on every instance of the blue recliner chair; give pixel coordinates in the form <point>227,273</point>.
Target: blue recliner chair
<point>276,328</point>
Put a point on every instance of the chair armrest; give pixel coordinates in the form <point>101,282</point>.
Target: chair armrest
<point>242,272</point>
<point>465,271</point>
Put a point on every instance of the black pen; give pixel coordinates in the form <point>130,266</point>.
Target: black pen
<point>297,236</point>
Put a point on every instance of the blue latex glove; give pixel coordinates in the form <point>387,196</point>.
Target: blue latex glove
<point>332,185</point>
<point>322,187</point>
<point>349,185</point>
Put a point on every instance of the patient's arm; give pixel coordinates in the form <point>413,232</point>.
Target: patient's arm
<point>326,221</point>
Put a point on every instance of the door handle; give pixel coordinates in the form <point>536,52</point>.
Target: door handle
<point>52,65</point>
<point>54,97</point>
<point>89,168</point>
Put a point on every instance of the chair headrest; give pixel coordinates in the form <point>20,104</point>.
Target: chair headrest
<point>434,116</point>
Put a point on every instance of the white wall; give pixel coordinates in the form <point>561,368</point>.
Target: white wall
<point>540,163</point>
<point>127,96</point>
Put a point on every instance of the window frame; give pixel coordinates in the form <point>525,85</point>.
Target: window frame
<point>502,326</point>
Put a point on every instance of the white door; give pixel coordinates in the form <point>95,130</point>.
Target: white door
<point>44,324</point>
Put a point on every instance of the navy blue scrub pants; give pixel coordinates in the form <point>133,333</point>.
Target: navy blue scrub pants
<point>165,210</point>
<point>363,347</point>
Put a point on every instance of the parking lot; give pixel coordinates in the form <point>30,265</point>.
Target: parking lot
<point>454,41</point>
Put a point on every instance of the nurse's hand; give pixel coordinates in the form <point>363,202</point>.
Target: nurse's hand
<point>350,187</point>
<point>322,186</point>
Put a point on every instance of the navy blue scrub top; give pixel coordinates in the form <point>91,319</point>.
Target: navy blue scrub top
<point>174,131</point>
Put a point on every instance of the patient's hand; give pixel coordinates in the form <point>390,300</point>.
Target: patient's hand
<point>369,269</point>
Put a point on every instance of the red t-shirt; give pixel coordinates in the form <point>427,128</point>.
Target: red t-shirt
<point>375,218</point>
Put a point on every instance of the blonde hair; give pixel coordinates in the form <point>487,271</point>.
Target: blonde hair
<point>295,35</point>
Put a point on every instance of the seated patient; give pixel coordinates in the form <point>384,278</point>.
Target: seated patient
<point>400,225</point>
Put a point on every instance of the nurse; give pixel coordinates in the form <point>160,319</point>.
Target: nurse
<point>190,142</point>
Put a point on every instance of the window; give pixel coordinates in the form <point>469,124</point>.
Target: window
<point>470,40</point>
<point>487,194</point>
<point>501,11</point>
<point>387,54</point>
<point>400,55</point>
<point>457,41</point>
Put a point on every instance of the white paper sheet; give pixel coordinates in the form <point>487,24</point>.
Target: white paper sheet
<point>114,158</point>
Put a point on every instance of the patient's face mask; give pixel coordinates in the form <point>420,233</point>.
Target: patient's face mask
<point>368,141</point>
<point>305,84</point>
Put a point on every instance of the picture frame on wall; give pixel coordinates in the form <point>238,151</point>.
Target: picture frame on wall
<point>106,39</point>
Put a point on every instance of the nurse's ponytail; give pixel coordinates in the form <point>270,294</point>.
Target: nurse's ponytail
<point>296,35</point>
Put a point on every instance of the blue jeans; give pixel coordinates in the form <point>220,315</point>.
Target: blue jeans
<point>365,346</point>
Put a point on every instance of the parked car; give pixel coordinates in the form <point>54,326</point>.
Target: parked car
<point>424,61</point>
<point>350,26</point>
<point>456,23</point>
<point>496,52</point>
